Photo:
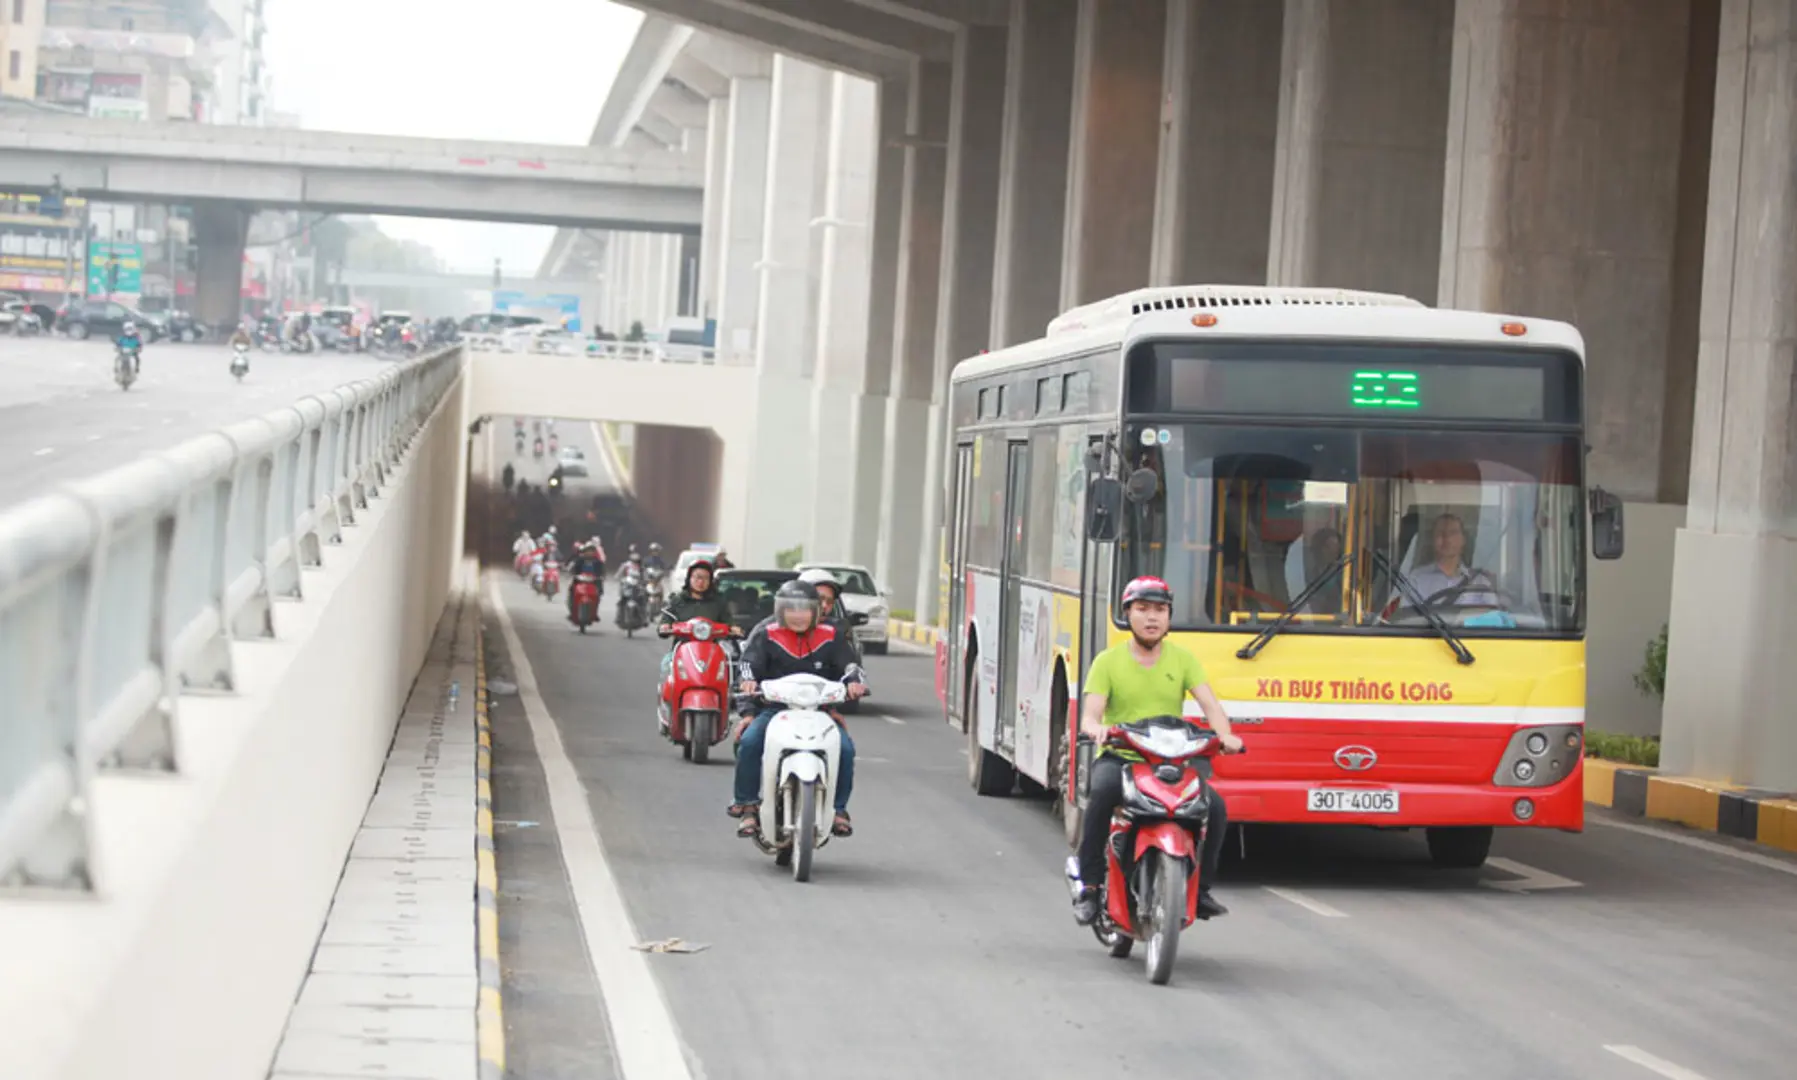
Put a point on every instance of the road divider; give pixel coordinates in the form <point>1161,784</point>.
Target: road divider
<point>902,630</point>
<point>1766,817</point>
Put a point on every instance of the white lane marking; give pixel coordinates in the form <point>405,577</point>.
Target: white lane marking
<point>1316,907</point>
<point>643,1031</point>
<point>1533,878</point>
<point>1654,1064</point>
<point>1699,843</point>
<point>95,437</point>
<point>893,720</point>
<point>45,450</point>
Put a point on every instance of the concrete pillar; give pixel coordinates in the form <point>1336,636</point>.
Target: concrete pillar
<point>1363,112</point>
<point>219,233</point>
<point>711,241</point>
<point>1562,196</point>
<point>903,474</point>
<point>969,244</point>
<point>1729,679</point>
<point>744,213</point>
<point>613,319</point>
<point>801,97</point>
<point>869,507</point>
<point>840,418</point>
<point>1214,192</point>
<point>1032,199</point>
<point>690,256</point>
<point>1115,141</point>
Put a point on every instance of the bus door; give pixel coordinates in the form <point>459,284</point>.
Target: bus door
<point>1094,610</point>
<point>960,521</point>
<point>1010,599</point>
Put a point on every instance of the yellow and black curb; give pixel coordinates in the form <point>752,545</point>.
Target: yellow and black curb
<point>489,1016</point>
<point>1766,817</point>
<point>909,631</point>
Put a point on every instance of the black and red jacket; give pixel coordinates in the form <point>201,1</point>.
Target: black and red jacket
<point>776,652</point>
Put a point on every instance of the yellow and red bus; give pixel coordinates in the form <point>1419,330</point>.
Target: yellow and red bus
<point>1375,521</point>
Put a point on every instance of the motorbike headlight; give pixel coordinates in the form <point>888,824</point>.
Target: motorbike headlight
<point>702,632</point>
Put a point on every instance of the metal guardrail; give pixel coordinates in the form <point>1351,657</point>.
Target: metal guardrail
<point>648,352</point>
<point>122,591</point>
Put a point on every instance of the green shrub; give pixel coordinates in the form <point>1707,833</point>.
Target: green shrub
<point>903,614</point>
<point>1627,749</point>
<point>1651,679</point>
<point>791,557</point>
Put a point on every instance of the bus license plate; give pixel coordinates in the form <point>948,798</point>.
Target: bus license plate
<point>1352,801</point>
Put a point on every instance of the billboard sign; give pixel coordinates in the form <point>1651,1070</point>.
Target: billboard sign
<point>114,268</point>
<point>556,309</point>
<point>35,245</point>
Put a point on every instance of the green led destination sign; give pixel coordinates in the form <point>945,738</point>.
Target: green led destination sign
<point>1386,390</point>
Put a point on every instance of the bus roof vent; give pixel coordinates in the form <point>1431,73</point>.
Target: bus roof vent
<point>1122,308</point>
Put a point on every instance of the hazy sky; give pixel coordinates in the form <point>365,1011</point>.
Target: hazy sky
<point>537,74</point>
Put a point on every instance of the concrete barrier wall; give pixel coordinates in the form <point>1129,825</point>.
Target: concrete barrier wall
<point>218,879</point>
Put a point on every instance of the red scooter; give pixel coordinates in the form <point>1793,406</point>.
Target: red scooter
<point>1152,862</point>
<point>695,699</point>
<point>552,579</point>
<point>586,600</point>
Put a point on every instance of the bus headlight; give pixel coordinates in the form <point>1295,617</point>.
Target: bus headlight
<point>1539,756</point>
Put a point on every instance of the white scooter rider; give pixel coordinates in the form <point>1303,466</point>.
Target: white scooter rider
<point>796,644</point>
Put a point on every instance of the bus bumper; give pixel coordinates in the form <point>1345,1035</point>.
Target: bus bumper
<point>1556,806</point>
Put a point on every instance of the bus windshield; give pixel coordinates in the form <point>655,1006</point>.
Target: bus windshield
<point>1482,528</point>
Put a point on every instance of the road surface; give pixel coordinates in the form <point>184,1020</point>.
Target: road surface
<point>938,940</point>
<point>62,417</point>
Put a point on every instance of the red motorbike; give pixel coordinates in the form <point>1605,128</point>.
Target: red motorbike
<point>695,698</point>
<point>1152,862</point>
<point>552,579</point>
<point>586,600</point>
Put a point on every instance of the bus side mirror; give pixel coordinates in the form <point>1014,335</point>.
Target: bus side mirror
<point>1104,506</point>
<point>1142,485</point>
<point>1606,525</point>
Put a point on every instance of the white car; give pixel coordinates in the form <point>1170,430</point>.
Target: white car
<point>573,461</point>
<point>861,595</point>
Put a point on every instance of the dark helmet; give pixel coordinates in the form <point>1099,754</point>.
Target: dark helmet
<point>700,564</point>
<point>794,595</point>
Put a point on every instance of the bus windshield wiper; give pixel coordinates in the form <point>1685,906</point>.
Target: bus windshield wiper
<point>1421,603</point>
<point>1249,651</point>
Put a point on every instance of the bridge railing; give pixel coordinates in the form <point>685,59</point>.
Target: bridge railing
<point>120,592</point>
<point>647,352</point>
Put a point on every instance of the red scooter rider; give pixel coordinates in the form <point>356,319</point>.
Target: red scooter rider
<point>1143,677</point>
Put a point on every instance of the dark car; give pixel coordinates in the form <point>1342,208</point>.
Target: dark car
<point>106,318</point>
<point>750,593</point>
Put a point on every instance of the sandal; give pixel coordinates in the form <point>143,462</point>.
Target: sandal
<point>841,826</point>
<point>739,809</point>
<point>751,825</point>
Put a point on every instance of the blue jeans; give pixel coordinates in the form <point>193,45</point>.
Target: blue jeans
<point>748,762</point>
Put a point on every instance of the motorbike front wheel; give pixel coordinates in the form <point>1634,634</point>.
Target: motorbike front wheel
<point>804,834</point>
<point>1165,901</point>
<point>700,742</point>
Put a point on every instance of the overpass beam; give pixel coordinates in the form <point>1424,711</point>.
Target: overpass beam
<point>1032,201</point>
<point>1363,116</point>
<point>711,247</point>
<point>220,230</point>
<point>842,418</point>
<point>869,506</point>
<point>1729,680</point>
<point>1116,140</point>
<point>904,474</point>
<point>1522,228</point>
<point>745,200</point>
<point>1214,195</point>
<point>801,98</point>
<point>969,243</point>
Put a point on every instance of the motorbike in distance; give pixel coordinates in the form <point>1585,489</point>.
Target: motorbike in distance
<point>695,698</point>
<point>800,762</point>
<point>1150,892</point>
<point>586,600</point>
<point>633,602</point>
<point>240,361</point>
<point>124,367</point>
<point>551,582</point>
<point>536,449</point>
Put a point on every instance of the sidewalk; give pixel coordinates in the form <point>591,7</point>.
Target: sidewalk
<point>405,980</point>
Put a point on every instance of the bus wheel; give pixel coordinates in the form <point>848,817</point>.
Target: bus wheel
<point>988,773</point>
<point>1459,848</point>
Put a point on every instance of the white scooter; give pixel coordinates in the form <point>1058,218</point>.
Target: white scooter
<point>799,763</point>
<point>240,361</point>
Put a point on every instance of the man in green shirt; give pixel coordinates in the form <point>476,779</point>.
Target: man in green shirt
<point>1143,677</point>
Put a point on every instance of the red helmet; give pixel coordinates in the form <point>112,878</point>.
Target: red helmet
<point>1151,589</point>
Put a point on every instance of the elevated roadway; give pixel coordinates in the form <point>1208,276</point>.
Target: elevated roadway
<point>647,190</point>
